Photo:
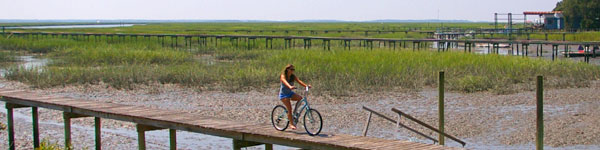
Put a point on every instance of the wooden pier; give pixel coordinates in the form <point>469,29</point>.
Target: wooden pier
<point>147,119</point>
<point>250,42</point>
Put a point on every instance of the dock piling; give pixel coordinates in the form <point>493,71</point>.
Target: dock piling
<point>539,140</point>
<point>36,129</point>
<point>441,107</point>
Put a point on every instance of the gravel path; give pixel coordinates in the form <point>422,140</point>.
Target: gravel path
<point>484,120</point>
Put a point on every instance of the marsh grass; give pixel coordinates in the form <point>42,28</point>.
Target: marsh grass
<point>117,55</point>
<point>336,72</point>
<point>48,145</point>
<point>229,66</point>
<point>8,56</point>
<point>37,46</point>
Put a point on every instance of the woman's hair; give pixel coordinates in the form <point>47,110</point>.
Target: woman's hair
<point>285,71</point>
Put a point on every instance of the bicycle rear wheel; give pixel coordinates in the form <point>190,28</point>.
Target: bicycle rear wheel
<point>279,118</point>
<point>313,123</point>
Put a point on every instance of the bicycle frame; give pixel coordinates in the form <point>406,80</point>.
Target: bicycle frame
<point>305,106</point>
<point>311,124</point>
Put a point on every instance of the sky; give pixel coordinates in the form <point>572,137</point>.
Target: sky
<point>276,10</point>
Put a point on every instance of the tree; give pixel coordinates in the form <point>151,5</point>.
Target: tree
<point>580,14</point>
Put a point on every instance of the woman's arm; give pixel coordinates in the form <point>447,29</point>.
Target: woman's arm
<point>301,83</point>
<point>284,81</point>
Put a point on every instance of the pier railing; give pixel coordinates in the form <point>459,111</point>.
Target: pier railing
<point>402,114</point>
<point>397,122</point>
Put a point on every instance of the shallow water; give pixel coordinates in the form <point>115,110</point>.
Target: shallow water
<point>27,62</point>
<point>75,26</point>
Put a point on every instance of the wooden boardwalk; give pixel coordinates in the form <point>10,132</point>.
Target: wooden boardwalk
<point>243,134</point>
<point>288,37</point>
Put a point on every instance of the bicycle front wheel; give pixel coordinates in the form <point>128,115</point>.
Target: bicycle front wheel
<point>313,123</point>
<point>279,118</point>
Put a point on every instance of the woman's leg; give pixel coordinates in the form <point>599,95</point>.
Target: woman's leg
<point>288,106</point>
<point>296,97</point>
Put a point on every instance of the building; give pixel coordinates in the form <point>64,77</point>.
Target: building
<point>551,20</point>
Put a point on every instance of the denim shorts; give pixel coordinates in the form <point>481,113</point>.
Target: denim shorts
<point>286,95</point>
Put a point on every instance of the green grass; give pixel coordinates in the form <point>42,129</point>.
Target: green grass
<point>201,28</point>
<point>37,46</point>
<point>48,145</point>
<point>117,55</point>
<point>231,67</point>
<point>8,56</point>
<point>336,71</point>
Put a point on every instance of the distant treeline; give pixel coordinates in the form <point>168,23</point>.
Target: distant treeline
<point>580,14</point>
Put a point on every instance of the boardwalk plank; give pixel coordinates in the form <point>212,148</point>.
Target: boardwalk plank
<point>389,146</point>
<point>7,92</point>
<point>102,106</point>
<point>82,104</point>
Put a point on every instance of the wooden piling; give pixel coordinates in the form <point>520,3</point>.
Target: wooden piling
<point>526,50</point>
<point>239,144</point>
<point>441,107</point>
<point>97,133</point>
<point>172,139</point>
<point>36,129</point>
<point>11,126</point>
<point>539,140</point>
<point>67,126</point>
<point>141,138</point>
<point>553,49</point>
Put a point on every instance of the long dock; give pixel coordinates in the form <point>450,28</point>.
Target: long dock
<point>147,119</point>
<point>269,37</point>
<point>250,42</point>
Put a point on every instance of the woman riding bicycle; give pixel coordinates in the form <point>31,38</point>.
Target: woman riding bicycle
<point>286,94</point>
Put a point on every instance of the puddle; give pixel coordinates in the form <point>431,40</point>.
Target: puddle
<point>27,62</point>
<point>75,26</point>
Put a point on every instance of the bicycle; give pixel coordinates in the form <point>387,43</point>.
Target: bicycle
<point>280,120</point>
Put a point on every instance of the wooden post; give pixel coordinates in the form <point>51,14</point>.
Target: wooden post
<point>11,127</point>
<point>537,50</point>
<point>539,140</point>
<point>239,144</point>
<point>526,50</point>
<point>441,107</point>
<point>268,146</point>
<point>173,139</point>
<point>470,47</point>
<point>141,137</point>
<point>367,124</point>
<point>566,50</point>
<point>97,133</point>
<point>176,41</point>
<point>36,129</point>
<point>141,130</point>
<point>67,126</point>
<point>553,49</point>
